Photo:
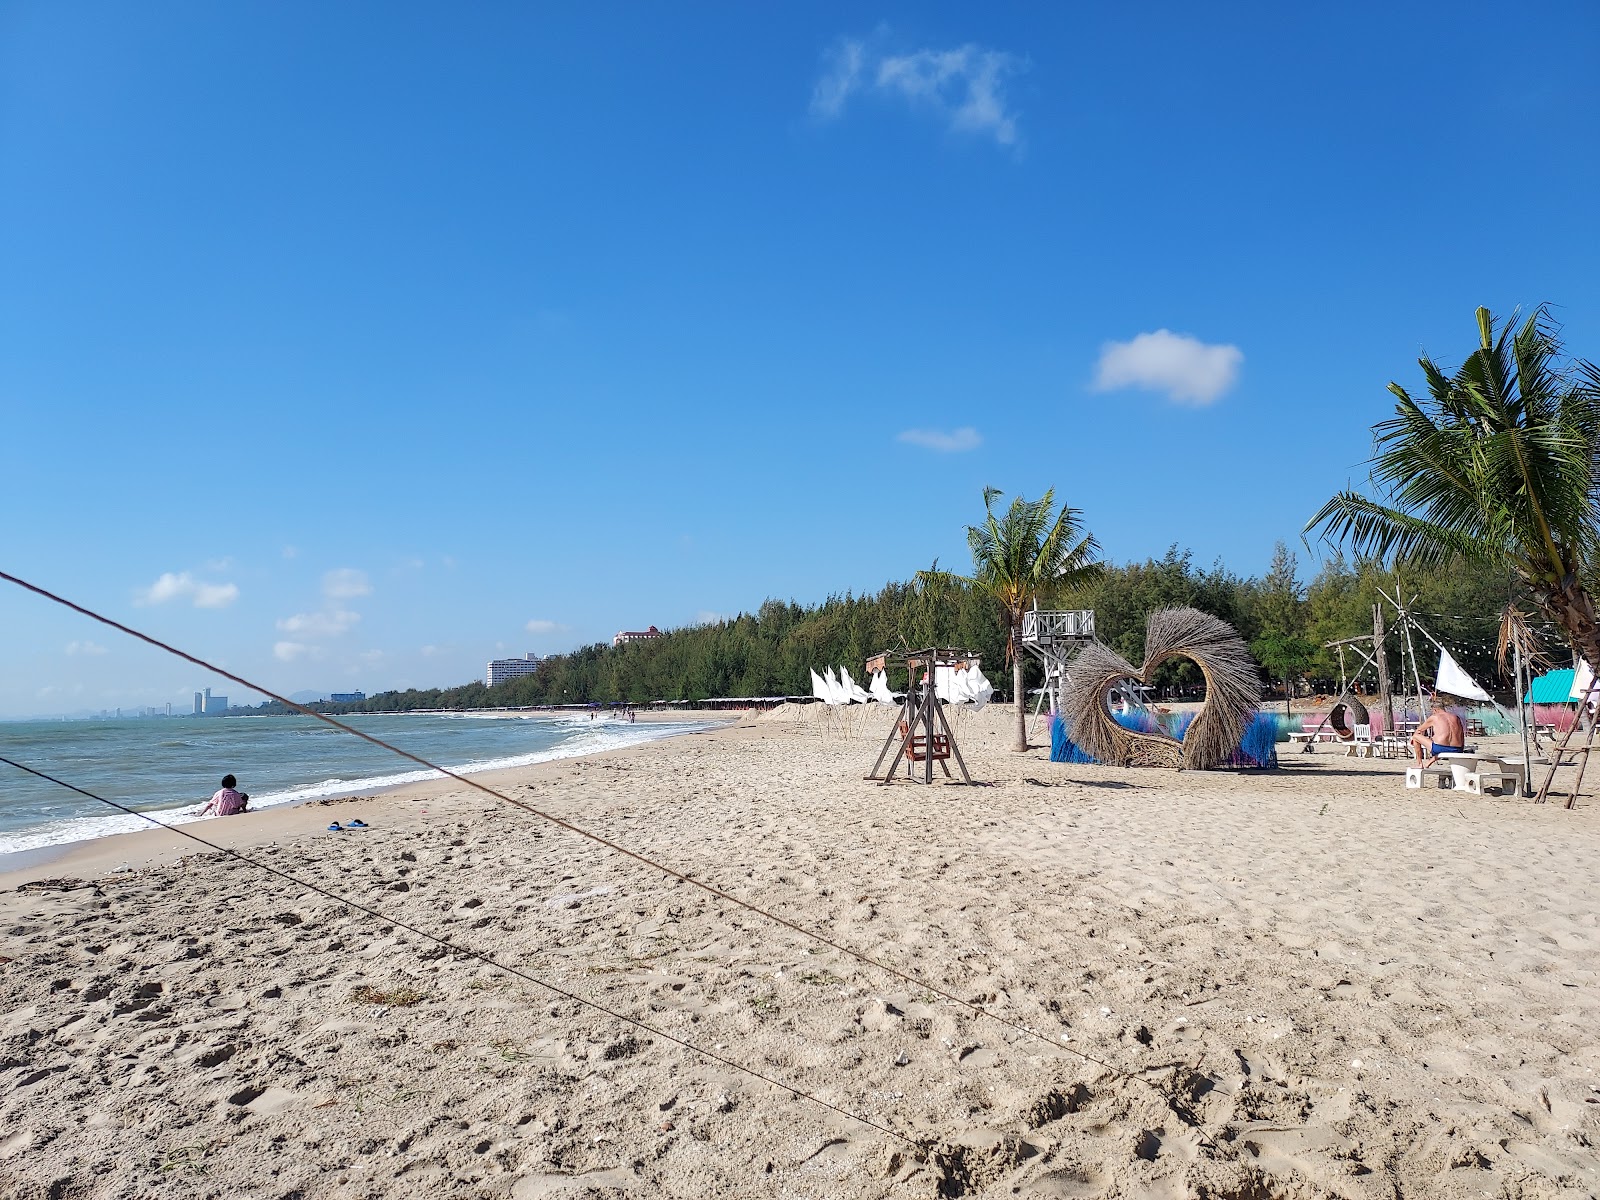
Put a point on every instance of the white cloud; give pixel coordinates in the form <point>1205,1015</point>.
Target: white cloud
<point>215,595</point>
<point>319,624</point>
<point>429,651</point>
<point>185,586</point>
<point>1188,370</point>
<point>539,625</point>
<point>345,584</point>
<point>372,656</point>
<point>964,87</point>
<point>842,77</point>
<point>85,648</point>
<point>289,651</point>
<point>952,441</point>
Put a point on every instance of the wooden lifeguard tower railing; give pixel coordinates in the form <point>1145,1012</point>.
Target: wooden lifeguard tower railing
<point>1056,638</point>
<point>922,731</point>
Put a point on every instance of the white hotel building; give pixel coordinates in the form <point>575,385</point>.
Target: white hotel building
<point>635,635</point>
<point>502,669</point>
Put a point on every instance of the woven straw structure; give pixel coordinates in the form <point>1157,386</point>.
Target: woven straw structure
<point>1233,689</point>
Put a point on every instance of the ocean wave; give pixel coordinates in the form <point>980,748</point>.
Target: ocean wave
<point>594,738</point>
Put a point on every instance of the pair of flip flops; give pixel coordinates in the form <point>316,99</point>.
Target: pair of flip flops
<point>357,825</point>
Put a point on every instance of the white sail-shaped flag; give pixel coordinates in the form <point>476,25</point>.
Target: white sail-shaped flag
<point>878,688</point>
<point>962,685</point>
<point>836,692</point>
<point>981,690</point>
<point>853,691</point>
<point>1456,682</point>
<point>1582,680</point>
<point>819,688</point>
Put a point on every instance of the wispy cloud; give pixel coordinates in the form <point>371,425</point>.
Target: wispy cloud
<point>1188,370</point>
<point>184,586</point>
<point>304,630</point>
<point>346,583</point>
<point>85,647</point>
<point>842,67</point>
<point>329,623</point>
<point>540,625</point>
<point>952,441</point>
<point>964,86</point>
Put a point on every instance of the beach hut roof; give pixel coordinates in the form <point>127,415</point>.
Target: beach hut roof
<point>1553,687</point>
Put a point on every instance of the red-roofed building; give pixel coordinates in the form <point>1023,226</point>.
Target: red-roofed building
<point>626,636</point>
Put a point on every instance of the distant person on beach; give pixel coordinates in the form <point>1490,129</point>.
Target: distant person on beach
<point>1439,734</point>
<point>228,800</point>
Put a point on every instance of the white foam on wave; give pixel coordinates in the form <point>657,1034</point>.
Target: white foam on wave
<point>595,737</point>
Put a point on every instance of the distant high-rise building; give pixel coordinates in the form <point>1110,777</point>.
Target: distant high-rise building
<point>209,705</point>
<point>347,697</point>
<point>502,669</point>
<point>199,704</point>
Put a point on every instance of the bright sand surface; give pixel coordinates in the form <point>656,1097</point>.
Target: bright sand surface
<point>1308,982</point>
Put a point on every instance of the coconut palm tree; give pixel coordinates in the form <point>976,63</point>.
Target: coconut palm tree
<point>1017,554</point>
<point>1498,466</point>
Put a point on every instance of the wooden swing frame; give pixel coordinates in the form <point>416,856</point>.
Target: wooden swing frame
<point>923,732</point>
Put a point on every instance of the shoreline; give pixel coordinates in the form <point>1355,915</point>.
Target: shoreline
<point>144,849</point>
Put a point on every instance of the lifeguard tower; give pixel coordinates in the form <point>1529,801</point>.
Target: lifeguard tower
<point>1056,638</point>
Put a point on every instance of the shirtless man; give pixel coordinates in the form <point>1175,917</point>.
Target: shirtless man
<point>1439,734</point>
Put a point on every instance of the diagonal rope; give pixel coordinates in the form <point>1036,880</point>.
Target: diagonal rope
<point>469,952</point>
<point>977,1010</point>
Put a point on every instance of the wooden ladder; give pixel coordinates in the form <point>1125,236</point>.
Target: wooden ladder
<point>1580,756</point>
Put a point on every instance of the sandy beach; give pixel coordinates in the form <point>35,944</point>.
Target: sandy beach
<point>1306,983</point>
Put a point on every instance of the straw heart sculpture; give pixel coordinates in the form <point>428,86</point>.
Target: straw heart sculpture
<point>1233,689</point>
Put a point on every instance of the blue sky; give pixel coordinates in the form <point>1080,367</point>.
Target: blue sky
<point>353,345</point>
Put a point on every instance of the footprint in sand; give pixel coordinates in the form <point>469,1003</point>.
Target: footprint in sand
<point>549,1187</point>
<point>1074,1181</point>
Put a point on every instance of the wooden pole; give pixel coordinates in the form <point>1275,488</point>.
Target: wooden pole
<point>1522,715</point>
<point>1385,698</point>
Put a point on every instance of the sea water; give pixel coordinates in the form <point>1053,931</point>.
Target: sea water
<point>169,766</point>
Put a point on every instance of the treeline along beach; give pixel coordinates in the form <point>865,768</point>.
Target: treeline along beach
<point>771,651</point>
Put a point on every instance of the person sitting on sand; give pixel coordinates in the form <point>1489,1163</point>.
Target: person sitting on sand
<point>1439,734</point>
<point>228,801</point>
